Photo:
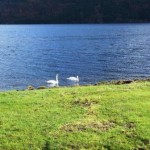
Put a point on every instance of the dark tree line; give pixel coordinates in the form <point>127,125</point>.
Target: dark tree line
<point>74,11</point>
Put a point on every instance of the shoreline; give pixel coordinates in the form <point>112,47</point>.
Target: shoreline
<point>111,82</point>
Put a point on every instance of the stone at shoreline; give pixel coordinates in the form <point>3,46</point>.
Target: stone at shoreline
<point>119,82</point>
<point>42,87</point>
<point>30,88</point>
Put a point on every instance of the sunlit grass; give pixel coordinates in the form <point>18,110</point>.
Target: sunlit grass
<point>90,117</point>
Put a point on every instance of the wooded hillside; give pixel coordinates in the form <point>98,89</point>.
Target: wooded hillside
<point>74,11</point>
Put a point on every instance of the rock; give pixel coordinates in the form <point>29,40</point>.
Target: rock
<point>30,88</point>
<point>42,87</point>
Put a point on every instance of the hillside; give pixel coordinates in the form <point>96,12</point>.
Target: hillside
<point>115,117</point>
<point>74,11</point>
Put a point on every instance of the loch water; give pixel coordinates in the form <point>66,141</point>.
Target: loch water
<point>33,54</point>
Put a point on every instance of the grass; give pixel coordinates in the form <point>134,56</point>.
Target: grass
<point>107,117</point>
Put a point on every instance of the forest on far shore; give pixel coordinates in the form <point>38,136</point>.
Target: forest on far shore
<point>74,11</point>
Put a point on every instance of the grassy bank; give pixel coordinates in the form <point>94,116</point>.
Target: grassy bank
<point>91,117</point>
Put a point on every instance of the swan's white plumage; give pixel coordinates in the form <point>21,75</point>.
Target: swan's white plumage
<point>53,81</point>
<point>74,79</point>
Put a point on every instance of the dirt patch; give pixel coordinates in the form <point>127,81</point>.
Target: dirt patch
<point>84,102</point>
<point>130,125</point>
<point>71,93</point>
<point>94,126</point>
<point>145,141</point>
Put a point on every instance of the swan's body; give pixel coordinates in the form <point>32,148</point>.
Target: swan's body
<point>53,81</point>
<point>76,79</point>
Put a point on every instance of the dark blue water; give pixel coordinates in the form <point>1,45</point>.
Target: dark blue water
<point>32,54</point>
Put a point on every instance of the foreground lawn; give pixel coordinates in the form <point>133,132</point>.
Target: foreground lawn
<point>115,117</point>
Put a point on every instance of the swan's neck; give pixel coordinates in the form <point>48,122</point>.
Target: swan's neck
<point>77,77</point>
<point>57,78</point>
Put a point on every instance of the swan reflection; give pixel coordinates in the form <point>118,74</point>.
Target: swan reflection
<point>73,83</point>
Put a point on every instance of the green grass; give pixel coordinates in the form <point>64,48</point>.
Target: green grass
<point>115,117</point>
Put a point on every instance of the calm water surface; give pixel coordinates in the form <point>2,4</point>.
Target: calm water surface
<point>32,54</point>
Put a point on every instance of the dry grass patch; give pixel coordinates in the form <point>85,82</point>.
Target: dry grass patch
<point>84,102</point>
<point>92,125</point>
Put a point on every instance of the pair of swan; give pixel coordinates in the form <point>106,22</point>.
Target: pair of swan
<point>74,79</point>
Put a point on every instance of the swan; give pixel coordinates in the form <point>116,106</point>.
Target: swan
<point>53,81</point>
<point>76,79</point>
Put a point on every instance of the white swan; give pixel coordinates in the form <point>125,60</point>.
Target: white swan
<point>53,81</point>
<point>75,79</point>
